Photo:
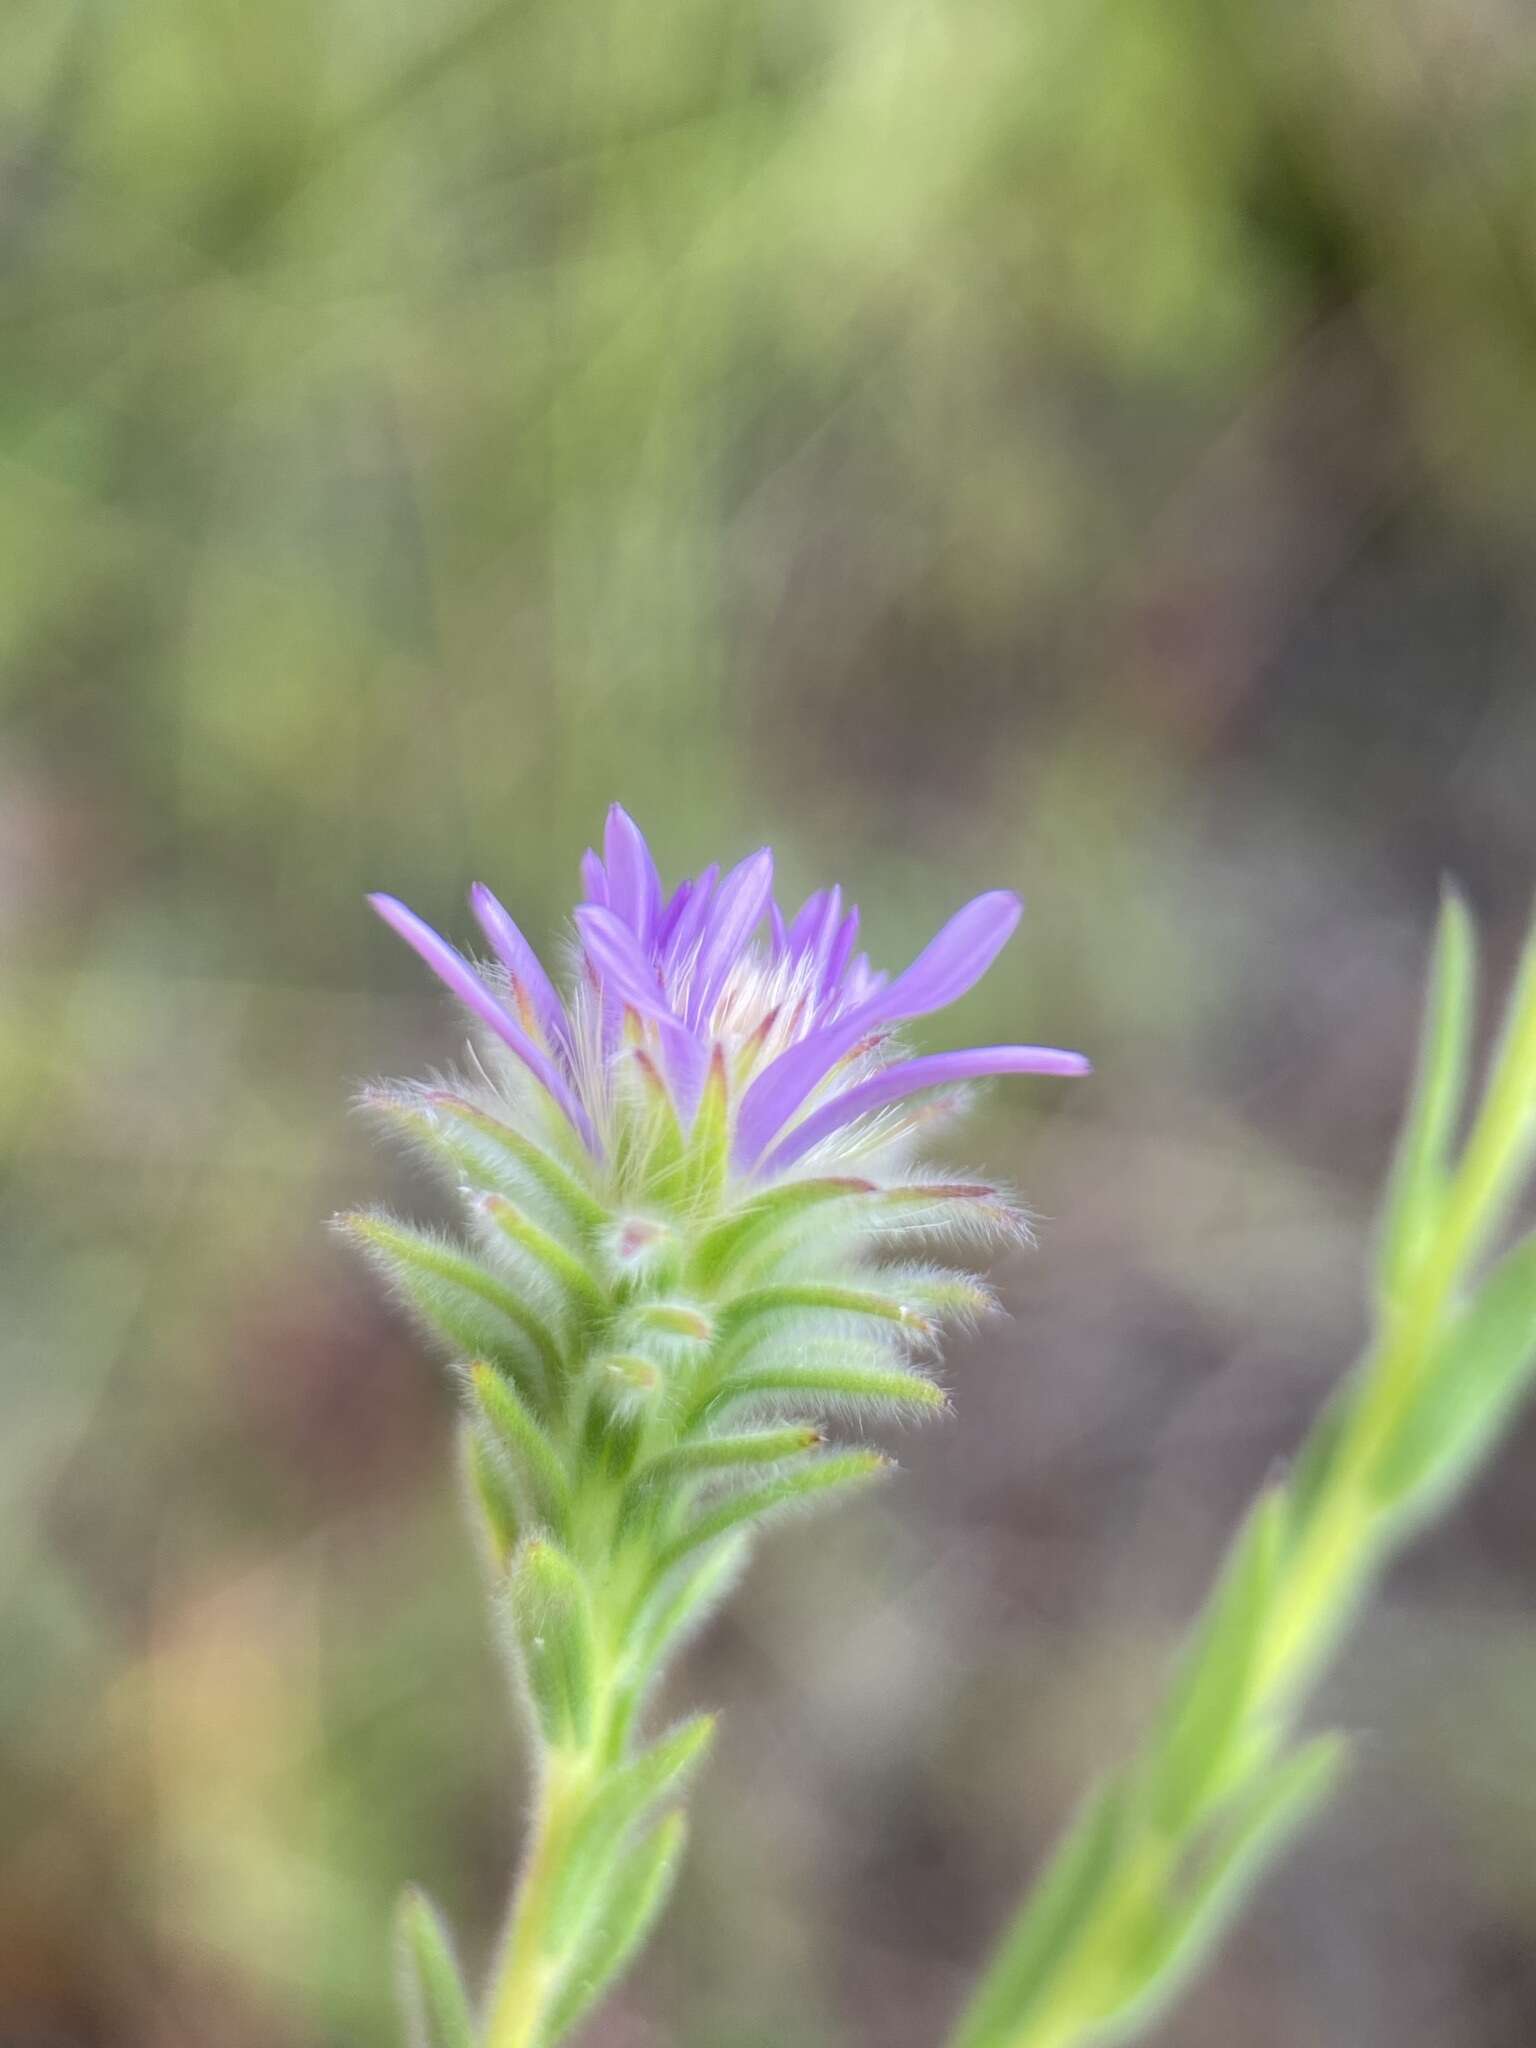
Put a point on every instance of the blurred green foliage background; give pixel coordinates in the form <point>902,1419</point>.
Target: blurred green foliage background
<point>1085,445</point>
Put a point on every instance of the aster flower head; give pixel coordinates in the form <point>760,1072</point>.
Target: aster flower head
<point>689,1191</point>
<point>708,1041</point>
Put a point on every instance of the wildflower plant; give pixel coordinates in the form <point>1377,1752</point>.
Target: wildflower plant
<point>693,1190</point>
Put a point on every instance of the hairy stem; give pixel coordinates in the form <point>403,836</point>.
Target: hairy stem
<point>524,1975</point>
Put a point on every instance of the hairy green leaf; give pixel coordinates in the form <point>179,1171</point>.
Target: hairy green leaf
<point>832,1374</point>
<point>834,1473</point>
<point>436,2007</point>
<point>456,1296</point>
<point>490,1490</point>
<point>753,1229</point>
<point>678,1610</point>
<point>552,1629</point>
<point>499,1142</point>
<point>1417,1182</point>
<point>626,1797</point>
<point>525,1445</point>
<point>570,1275</point>
<point>623,1914</point>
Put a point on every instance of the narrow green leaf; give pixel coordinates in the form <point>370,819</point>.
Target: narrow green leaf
<point>453,1294</point>
<point>707,1159</point>
<point>1193,1753</point>
<point>1041,1938</point>
<point>489,1487</point>
<point>627,1377</point>
<point>1483,1366</point>
<point>586,1213</point>
<point>795,1489</point>
<point>552,1628</point>
<point>1191,1927</point>
<point>670,1319</point>
<point>1313,1474</point>
<point>790,1296</point>
<point>525,1445</point>
<point>655,1484</point>
<point>676,1612</point>
<point>624,1915</point>
<point>651,1144</point>
<point>436,2007</point>
<point>748,1231</point>
<point>707,1455</point>
<point>571,1275</point>
<point>627,1796</point>
<point>808,1375</point>
<point>1417,1182</point>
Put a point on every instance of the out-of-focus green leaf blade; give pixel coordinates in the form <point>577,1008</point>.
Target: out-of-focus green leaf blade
<point>1263,1824</point>
<point>1484,1364</point>
<point>437,2010</point>
<point>1193,1756</point>
<point>1416,1184</point>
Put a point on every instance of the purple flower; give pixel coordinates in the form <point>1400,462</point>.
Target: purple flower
<point>796,1023</point>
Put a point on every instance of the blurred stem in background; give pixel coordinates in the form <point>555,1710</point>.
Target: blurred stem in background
<point>1163,1853</point>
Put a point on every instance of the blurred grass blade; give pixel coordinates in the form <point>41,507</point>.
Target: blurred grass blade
<point>1279,1808</point>
<point>1192,1758</point>
<point>437,2011</point>
<point>1419,1175</point>
<point>1045,1930</point>
<point>1483,1366</point>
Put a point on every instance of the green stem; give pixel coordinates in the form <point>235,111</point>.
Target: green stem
<point>1081,1988</point>
<point>524,1975</point>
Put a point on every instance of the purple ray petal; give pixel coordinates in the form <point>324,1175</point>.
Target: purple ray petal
<point>906,1077</point>
<point>634,887</point>
<point>692,919</point>
<point>824,936</point>
<point>594,879</point>
<point>735,914</point>
<point>807,920</point>
<point>779,937</point>
<point>861,981</point>
<point>837,957</point>
<point>456,973</point>
<point>521,963</point>
<point>784,1083</point>
<point>677,903</point>
<point>621,967</point>
<point>948,965</point>
<point>627,974</point>
<point>955,959</point>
